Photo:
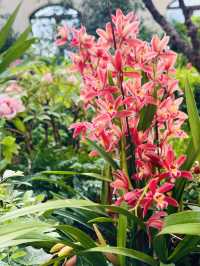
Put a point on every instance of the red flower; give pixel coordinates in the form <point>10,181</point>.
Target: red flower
<point>121,181</point>
<point>156,196</point>
<point>172,166</point>
<point>155,221</point>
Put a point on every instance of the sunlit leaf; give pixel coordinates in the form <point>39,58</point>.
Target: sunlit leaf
<point>125,252</point>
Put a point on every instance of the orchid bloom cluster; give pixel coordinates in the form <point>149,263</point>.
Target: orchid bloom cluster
<point>10,102</point>
<point>121,76</point>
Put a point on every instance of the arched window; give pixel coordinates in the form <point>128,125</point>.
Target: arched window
<point>44,23</point>
<point>174,12</point>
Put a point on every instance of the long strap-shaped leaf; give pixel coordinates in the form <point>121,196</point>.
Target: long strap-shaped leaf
<point>5,31</point>
<point>68,203</point>
<point>20,232</point>
<point>16,50</point>
<point>71,173</point>
<point>125,252</point>
<point>193,150</point>
<point>85,240</point>
<point>184,247</point>
<point>186,222</point>
<point>194,119</point>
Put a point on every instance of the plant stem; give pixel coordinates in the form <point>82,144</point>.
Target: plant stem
<point>131,152</point>
<point>139,200</point>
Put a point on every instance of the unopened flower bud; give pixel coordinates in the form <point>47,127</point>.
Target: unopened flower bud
<point>57,248</point>
<point>65,251</point>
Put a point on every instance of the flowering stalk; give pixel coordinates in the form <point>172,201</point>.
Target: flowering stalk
<point>129,86</point>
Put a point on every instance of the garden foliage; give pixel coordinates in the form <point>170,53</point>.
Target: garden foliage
<point>131,119</point>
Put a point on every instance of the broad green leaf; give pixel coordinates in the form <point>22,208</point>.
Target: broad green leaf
<point>71,173</point>
<point>5,31</point>
<point>85,240</point>
<point>183,217</point>
<point>42,207</point>
<point>70,203</point>
<point>188,229</point>
<point>186,222</point>
<point>21,232</point>
<point>146,116</point>
<point>78,235</point>
<point>184,247</point>
<point>125,252</point>
<point>19,124</point>
<point>74,217</point>
<point>9,148</point>
<point>104,154</point>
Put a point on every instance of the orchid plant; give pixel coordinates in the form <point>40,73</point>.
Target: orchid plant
<point>130,86</point>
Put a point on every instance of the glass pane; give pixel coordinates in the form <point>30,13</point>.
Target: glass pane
<point>44,25</point>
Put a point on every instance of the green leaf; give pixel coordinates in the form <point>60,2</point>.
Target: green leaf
<point>5,31</point>
<point>193,115</point>
<point>74,217</point>
<point>78,235</point>
<point>10,148</point>
<point>193,150</point>
<point>125,212</point>
<point>186,222</point>
<point>101,220</point>
<point>19,124</point>
<point>16,50</point>
<point>170,264</point>
<point>125,252</point>
<point>121,236</point>
<point>71,173</point>
<point>104,154</point>
<point>184,247</point>
<point>146,116</point>
<point>161,248</point>
<point>85,240</point>
<point>21,232</point>
<point>69,203</point>
<point>188,229</point>
<point>105,189</point>
<point>42,207</point>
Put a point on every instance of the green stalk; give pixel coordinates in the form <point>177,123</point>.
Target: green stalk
<point>106,195</point>
<point>122,236</point>
<point>123,161</point>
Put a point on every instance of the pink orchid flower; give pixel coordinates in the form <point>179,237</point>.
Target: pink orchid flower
<point>62,36</point>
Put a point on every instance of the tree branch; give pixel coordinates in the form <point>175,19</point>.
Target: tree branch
<point>192,28</point>
<point>182,46</point>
